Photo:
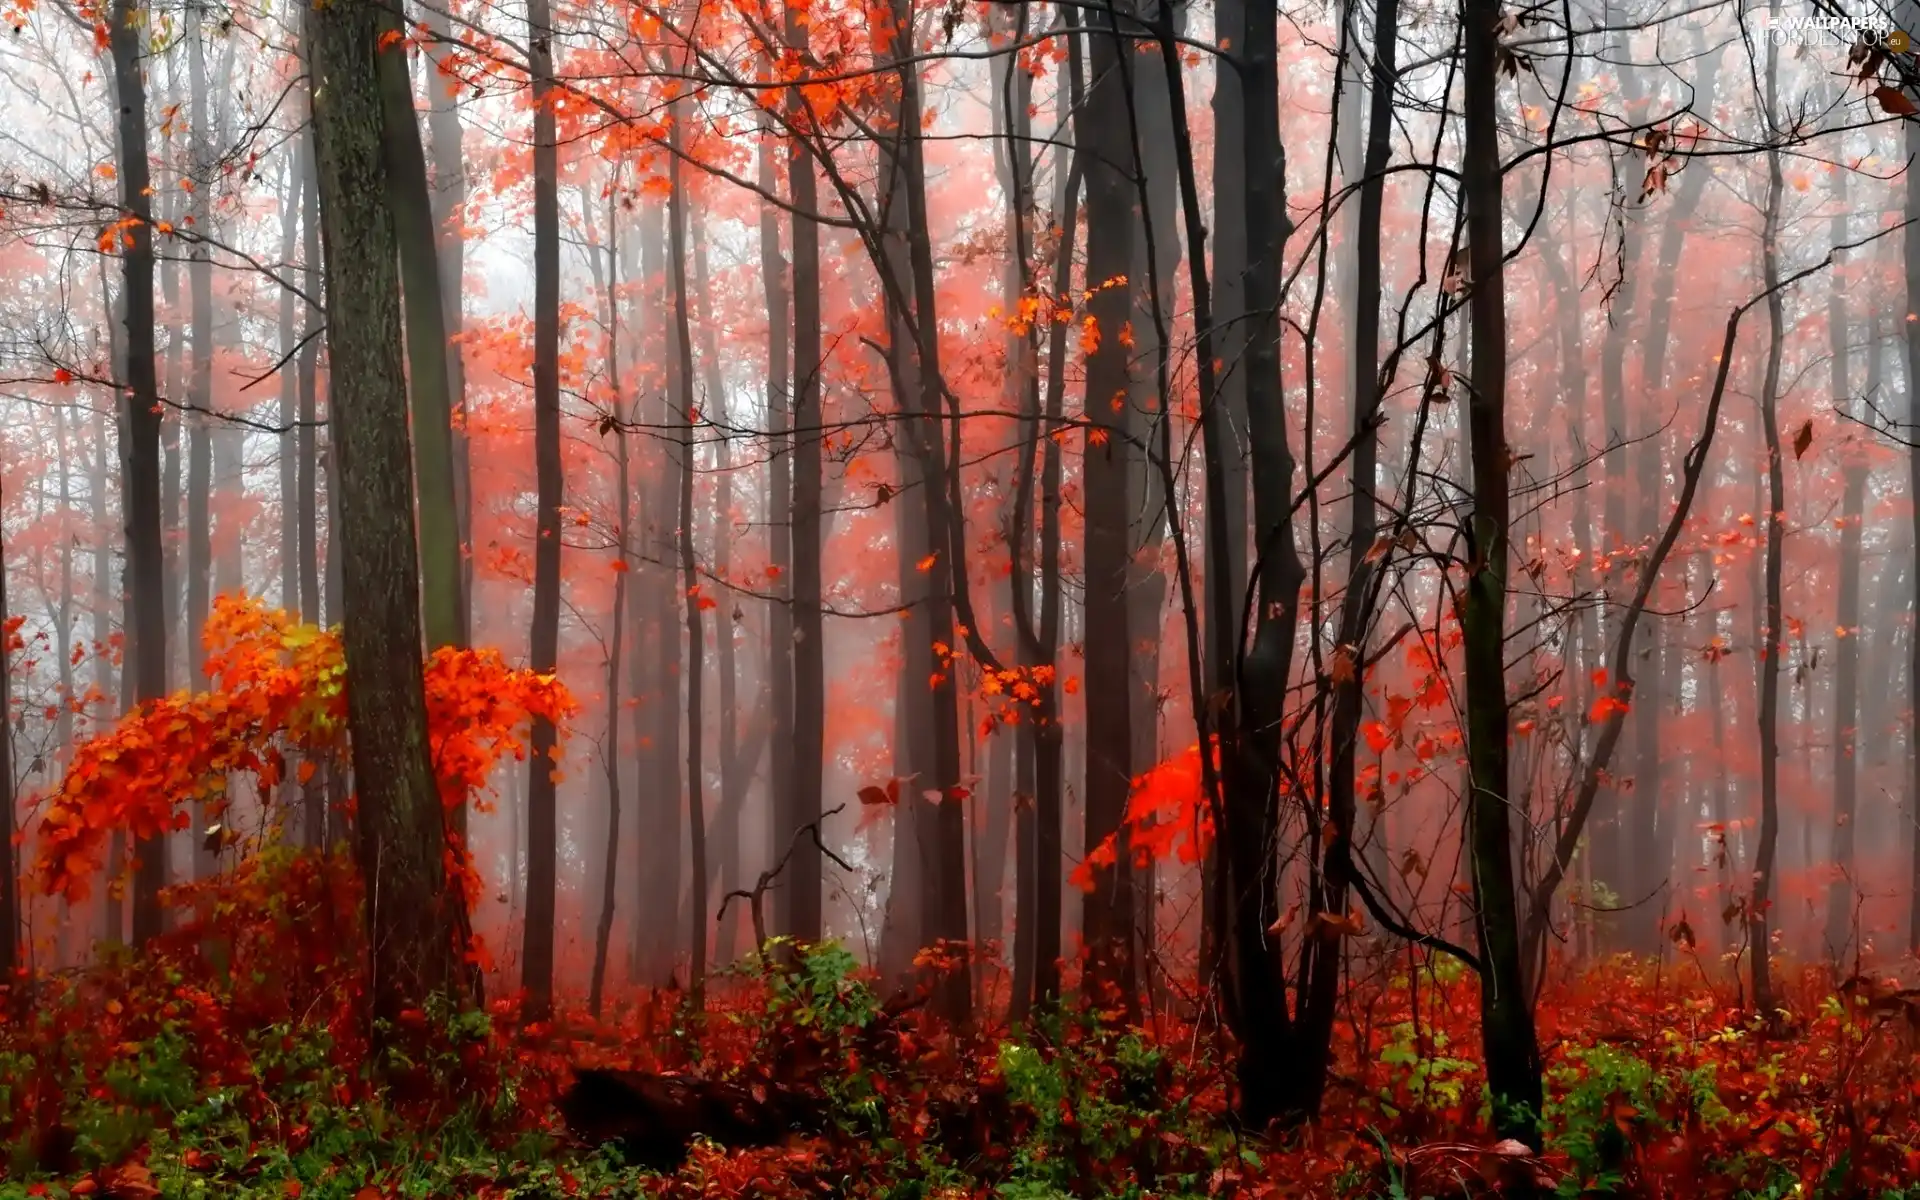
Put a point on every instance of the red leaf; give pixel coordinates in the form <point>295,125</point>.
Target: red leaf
<point>1894,102</point>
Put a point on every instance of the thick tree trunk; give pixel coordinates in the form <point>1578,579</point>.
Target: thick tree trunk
<point>1103,127</point>
<point>944,914</point>
<point>1250,833</point>
<point>1511,1051</point>
<point>314,801</point>
<point>146,590</point>
<point>1225,580</point>
<point>416,921</point>
<point>536,956</point>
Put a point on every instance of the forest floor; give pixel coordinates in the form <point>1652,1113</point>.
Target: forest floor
<point>239,1067</point>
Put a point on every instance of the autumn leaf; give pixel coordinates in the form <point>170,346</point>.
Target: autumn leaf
<point>1894,102</point>
<point>874,795</point>
<point>1341,668</point>
<point>62,375</point>
<point>1378,739</point>
<point>130,1182</point>
<point>1605,707</point>
<point>1803,438</point>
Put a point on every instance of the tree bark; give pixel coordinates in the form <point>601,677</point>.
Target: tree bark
<point>9,860</point>
<point>416,922</point>
<point>1102,126</point>
<point>773,283</point>
<point>616,660</point>
<point>1512,1053</point>
<point>1911,255</point>
<point>146,591</point>
<point>442,606</point>
<point>1772,645</point>
<point>690,590</point>
<point>449,198</point>
<point>809,661</point>
<point>1841,930</point>
<point>536,956</point>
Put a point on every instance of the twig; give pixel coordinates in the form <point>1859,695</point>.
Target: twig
<point>755,897</point>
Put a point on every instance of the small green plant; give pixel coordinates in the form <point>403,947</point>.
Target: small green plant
<point>1419,1079</point>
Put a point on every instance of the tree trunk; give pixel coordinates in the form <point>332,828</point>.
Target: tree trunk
<point>416,917</point>
<point>1772,645</point>
<point>9,861</point>
<point>200,387</point>
<point>1103,127</point>
<point>603,931</point>
<point>690,571</point>
<point>1911,255</point>
<point>1846,680</point>
<point>945,896</point>
<point>289,399</point>
<point>536,954</point>
<point>449,200</point>
<point>809,661</point>
<point>1511,1052</point>
<point>773,283</point>
<point>1225,580</point>
<point>146,591</point>
<point>442,607</point>
<point>1250,833</point>
<point>314,801</point>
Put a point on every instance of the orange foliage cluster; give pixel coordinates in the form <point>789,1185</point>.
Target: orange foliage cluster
<point>1167,817</point>
<point>276,686</point>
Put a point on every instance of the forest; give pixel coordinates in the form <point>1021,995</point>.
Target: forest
<point>959,598</point>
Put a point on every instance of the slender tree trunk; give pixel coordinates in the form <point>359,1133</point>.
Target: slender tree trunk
<point>603,931</point>
<point>200,388</point>
<point>809,660</point>
<point>1912,264</point>
<point>442,607</point>
<point>314,801</point>
<point>1846,679</point>
<point>289,399</point>
<point>695,600</point>
<point>146,591</point>
<point>1356,609</point>
<point>1511,1052</point>
<point>10,910</point>
<point>1772,645</point>
<point>416,918</point>
<point>1225,580</point>
<point>724,865</point>
<point>536,955</point>
<point>449,200</point>
<point>773,282</point>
